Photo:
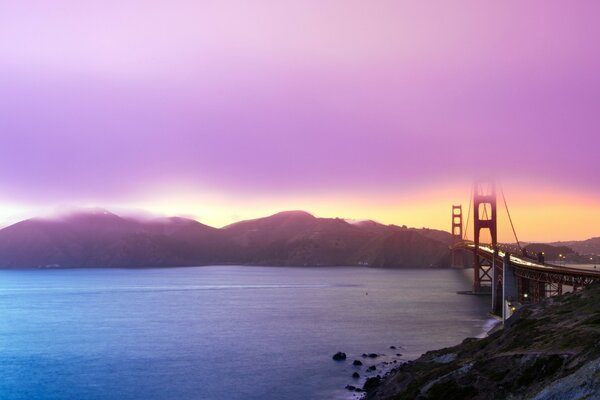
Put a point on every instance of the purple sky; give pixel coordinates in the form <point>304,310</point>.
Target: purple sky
<point>226,110</point>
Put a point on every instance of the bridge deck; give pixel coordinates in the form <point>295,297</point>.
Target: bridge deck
<point>527,268</point>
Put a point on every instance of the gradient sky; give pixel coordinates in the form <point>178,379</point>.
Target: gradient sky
<point>226,110</point>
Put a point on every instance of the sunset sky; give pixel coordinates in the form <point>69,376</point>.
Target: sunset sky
<point>228,110</point>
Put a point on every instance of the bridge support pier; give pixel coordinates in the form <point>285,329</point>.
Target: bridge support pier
<point>497,291</point>
<point>524,289</point>
<point>539,291</point>
<point>509,288</point>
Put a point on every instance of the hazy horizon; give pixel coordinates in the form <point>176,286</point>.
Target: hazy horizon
<point>144,215</point>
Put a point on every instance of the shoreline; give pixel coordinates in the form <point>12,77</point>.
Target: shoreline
<point>530,358</point>
<point>490,326</point>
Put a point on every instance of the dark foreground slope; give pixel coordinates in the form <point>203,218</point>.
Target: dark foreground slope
<point>551,351</point>
<point>98,238</point>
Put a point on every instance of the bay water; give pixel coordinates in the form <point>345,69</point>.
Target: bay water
<point>221,332</point>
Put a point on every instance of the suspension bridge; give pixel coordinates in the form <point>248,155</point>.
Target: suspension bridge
<point>509,273</point>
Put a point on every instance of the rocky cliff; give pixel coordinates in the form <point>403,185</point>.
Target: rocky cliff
<point>550,351</point>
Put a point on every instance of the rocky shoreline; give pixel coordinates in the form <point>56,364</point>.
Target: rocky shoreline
<point>549,351</point>
<point>369,367</point>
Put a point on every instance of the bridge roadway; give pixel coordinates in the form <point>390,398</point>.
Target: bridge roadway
<point>536,271</point>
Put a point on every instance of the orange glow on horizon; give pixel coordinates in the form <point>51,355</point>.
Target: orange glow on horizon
<point>541,214</point>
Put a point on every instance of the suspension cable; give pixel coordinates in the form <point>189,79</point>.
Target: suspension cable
<point>486,216</point>
<point>509,217</point>
<point>468,215</point>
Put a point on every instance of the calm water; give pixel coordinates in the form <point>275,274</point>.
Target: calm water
<point>218,332</point>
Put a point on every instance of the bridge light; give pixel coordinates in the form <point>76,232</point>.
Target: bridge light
<point>525,295</point>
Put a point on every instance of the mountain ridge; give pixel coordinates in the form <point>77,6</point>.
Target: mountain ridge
<point>99,238</point>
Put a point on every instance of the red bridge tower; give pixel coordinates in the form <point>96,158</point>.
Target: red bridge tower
<point>484,218</point>
<point>457,236</point>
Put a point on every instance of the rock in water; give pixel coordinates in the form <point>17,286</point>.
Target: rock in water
<point>339,356</point>
<point>353,388</point>
<point>357,363</point>
<point>356,375</point>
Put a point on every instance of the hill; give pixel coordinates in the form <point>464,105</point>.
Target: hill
<point>560,252</point>
<point>584,247</point>
<point>98,238</point>
<point>551,252</point>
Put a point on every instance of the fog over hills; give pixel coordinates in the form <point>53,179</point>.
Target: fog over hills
<point>98,238</point>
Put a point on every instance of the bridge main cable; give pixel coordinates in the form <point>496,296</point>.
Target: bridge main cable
<point>465,237</point>
<point>509,217</point>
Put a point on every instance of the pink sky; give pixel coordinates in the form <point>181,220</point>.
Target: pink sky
<point>226,110</point>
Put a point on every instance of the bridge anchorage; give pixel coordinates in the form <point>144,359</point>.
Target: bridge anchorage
<point>511,279</point>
